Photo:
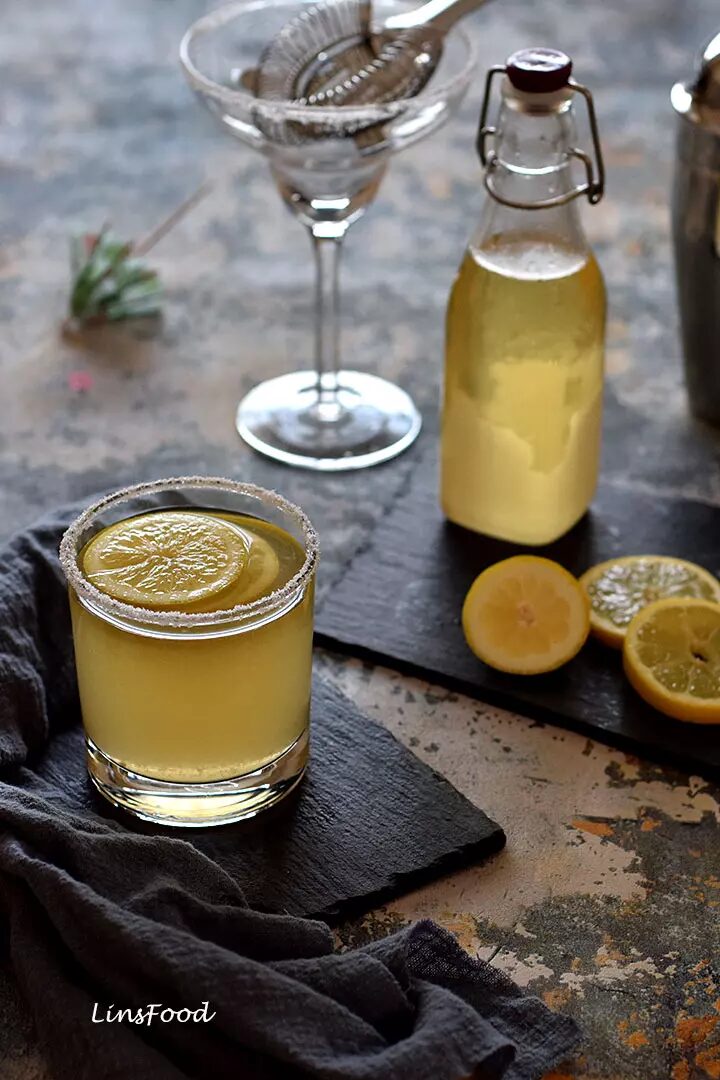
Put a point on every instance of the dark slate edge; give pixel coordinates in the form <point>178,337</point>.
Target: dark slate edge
<point>512,702</point>
<point>462,857</point>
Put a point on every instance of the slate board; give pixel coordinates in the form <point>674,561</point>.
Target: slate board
<point>400,599</point>
<point>369,821</point>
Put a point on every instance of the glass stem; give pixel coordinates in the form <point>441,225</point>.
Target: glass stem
<point>327,245</point>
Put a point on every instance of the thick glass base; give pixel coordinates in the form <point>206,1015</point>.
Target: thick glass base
<point>368,421</point>
<point>198,805</point>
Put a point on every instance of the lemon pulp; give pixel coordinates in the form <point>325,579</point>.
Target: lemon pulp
<point>619,588</point>
<point>525,615</point>
<point>672,658</point>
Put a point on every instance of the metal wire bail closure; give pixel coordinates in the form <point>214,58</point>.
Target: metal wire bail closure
<point>594,185</point>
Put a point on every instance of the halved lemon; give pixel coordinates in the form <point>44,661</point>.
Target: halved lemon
<point>619,588</point>
<point>526,615</point>
<point>671,656</point>
<point>166,559</point>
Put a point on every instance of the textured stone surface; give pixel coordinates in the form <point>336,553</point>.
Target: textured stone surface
<point>606,899</point>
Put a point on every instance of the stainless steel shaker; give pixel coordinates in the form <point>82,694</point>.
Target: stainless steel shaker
<point>696,230</point>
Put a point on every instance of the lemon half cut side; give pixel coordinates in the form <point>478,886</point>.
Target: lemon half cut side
<point>526,615</point>
<point>619,588</point>
<point>672,658</point>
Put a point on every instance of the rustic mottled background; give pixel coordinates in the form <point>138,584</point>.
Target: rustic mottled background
<point>607,899</point>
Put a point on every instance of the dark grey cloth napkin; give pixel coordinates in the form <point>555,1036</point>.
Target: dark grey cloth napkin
<point>101,917</point>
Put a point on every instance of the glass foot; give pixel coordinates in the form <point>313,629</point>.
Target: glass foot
<point>198,805</point>
<point>368,421</point>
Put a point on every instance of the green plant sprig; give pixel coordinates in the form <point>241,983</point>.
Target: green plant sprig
<point>110,280</point>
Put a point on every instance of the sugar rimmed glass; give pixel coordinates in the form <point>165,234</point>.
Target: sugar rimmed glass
<point>327,163</point>
<point>194,718</point>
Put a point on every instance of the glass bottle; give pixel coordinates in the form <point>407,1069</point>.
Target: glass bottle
<point>526,321</point>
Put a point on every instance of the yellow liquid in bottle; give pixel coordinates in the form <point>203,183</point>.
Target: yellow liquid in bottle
<point>195,707</point>
<point>523,388</point>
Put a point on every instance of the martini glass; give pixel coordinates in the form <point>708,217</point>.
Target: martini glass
<point>328,164</point>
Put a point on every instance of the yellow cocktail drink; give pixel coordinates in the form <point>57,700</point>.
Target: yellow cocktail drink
<point>193,643</point>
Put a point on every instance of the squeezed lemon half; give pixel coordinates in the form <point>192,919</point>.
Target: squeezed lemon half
<point>167,559</point>
<point>526,615</point>
<point>671,656</point>
<point>619,588</point>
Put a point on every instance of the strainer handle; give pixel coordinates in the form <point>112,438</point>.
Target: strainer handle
<point>440,14</point>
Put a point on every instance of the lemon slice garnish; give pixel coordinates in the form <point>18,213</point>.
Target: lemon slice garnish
<point>525,615</point>
<point>262,571</point>
<point>167,559</point>
<point>619,588</point>
<point>671,656</point>
<point>260,575</point>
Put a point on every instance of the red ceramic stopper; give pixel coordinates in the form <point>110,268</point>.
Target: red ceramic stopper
<point>539,71</point>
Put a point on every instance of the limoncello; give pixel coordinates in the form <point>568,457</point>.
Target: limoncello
<point>522,407</point>
<point>201,703</point>
<point>523,387</point>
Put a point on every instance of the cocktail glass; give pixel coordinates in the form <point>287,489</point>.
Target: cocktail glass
<point>327,164</point>
<point>194,718</point>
